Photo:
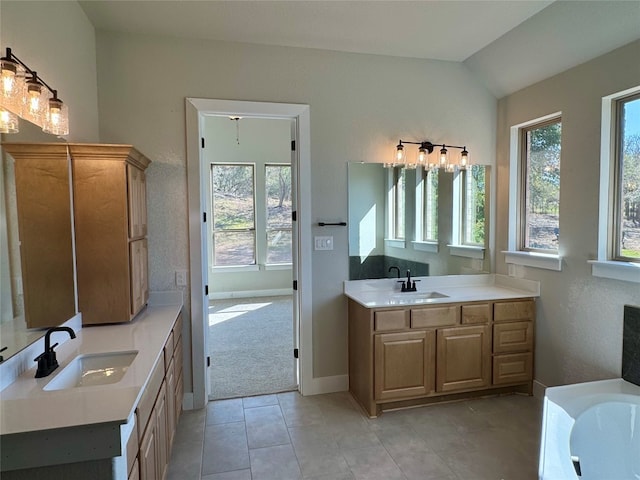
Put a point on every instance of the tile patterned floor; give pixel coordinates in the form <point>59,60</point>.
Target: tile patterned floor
<point>326,437</point>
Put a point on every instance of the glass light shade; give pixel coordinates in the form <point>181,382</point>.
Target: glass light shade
<point>423,155</point>
<point>464,158</point>
<point>444,157</point>
<point>36,98</point>
<point>12,81</point>
<point>400,154</point>
<point>57,117</point>
<point>8,121</point>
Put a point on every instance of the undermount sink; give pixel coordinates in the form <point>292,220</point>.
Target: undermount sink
<point>418,296</point>
<point>93,369</point>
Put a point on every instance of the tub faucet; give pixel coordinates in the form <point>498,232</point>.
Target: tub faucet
<point>47,361</point>
<point>396,269</point>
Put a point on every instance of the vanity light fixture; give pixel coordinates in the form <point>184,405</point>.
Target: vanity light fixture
<point>423,159</point>
<point>26,95</point>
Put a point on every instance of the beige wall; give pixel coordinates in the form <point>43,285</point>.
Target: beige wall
<point>360,106</point>
<point>579,329</point>
<point>57,40</point>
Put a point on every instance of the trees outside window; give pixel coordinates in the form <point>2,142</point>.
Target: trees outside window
<point>278,215</point>
<point>473,201</point>
<point>627,181</point>
<point>540,202</point>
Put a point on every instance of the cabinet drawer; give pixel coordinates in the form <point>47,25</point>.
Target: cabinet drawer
<point>512,368</point>
<point>434,316</point>
<point>177,359</point>
<point>512,337</point>
<point>511,311</point>
<point>145,406</point>
<point>479,313</point>
<point>390,320</point>
<point>177,331</point>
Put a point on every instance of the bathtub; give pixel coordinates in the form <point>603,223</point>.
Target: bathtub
<point>591,431</point>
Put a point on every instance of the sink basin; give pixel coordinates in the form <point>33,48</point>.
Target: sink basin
<point>93,369</point>
<point>417,297</point>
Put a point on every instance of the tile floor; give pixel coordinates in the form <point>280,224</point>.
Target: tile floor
<point>327,437</point>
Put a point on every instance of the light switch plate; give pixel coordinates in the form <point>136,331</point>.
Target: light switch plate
<point>323,243</point>
<point>181,278</point>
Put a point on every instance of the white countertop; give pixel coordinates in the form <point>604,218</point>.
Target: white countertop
<point>26,407</point>
<point>456,288</point>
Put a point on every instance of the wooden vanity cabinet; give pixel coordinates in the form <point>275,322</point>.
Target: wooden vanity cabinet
<point>159,409</point>
<point>410,355</point>
<point>110,224</point>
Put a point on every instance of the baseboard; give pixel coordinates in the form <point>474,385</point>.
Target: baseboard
<point>320,385</point>
<point>276,292</point>
<point>538,389</point>
<point>187,401</point>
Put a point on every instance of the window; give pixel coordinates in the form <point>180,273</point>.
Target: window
<point>233,207</point>
<point>430,206</point>
<point>473,201</point>
<point>278,215</point>
<point>396,203</point>
<point>540,193</point>
<point>626,204</point>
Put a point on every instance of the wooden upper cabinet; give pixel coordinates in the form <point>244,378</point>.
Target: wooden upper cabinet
<point>110,221</point>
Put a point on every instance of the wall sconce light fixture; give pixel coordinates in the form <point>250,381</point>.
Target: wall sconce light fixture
<point>26,95</point>
<point>423,159</point>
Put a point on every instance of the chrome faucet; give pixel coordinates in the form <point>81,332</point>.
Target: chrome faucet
<point>407,285</point>
<point>47,361</point>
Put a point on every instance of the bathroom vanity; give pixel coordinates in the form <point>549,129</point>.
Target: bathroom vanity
<point>456,336</point>
<point>60,426</point>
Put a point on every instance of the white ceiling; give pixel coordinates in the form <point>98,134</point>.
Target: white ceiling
<point>496,39</point>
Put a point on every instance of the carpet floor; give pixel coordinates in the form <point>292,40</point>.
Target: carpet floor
<point>251,346</point>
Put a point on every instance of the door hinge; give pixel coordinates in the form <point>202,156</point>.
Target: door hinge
<point>204,217</point>
<point>294,216</point>
<point>295,284</point>
<point>202,142</point>
<point>208,361</point>
<point>295,353</point>
<point>293,145</point>
<point>206,289</point>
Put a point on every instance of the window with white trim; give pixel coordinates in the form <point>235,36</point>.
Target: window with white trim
<point>396,203</point>
<point>278,214</point>
<point>234,218</point>
<point>626,182</point>
<point>428,224</point>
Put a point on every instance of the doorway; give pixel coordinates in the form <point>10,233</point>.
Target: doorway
<point>197,176</point>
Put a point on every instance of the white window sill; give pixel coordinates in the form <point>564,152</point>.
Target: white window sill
<point>545,261</point>
<point>238,269</point>
<point>393,242</point>
<point>469,251</point>
<point>278,266</point>
<point>431,247</point>
<point>626,271</point>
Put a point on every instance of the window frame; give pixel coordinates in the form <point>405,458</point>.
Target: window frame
<point>514,255</point>
<point>605,266</point>
<point>395,198</point>
<point>422,241</point>
<point>213,230</point>
<point>269,230</point>
<point>524,187</point>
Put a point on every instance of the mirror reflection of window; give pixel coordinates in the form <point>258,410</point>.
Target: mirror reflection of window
<point>430,206</point>
<point>396,203</point>
<point>473,202</point>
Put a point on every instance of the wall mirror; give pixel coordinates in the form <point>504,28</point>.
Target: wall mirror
<point>37,286</point>
<point>432,223</point>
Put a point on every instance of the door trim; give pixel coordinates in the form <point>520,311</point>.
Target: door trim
<point>195,108</point>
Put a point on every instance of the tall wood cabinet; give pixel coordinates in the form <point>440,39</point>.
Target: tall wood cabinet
<point>43,204</point>
<point>109,193</point>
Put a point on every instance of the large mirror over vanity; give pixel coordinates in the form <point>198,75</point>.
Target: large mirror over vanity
<point>433,222</point>
<point>37,287</point>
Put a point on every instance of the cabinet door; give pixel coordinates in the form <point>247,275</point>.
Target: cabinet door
<point>135,471</point>
<point>137,202</point>
<point>404,364</point>
<point>171,406</point>
<point>148,459</point>
<point>512,337</point>
<point>464,358</point>
<point>139,275</point>
<point>161,432</point>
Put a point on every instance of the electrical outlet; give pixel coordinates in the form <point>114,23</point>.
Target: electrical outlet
<point>181,278</point>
